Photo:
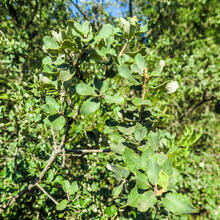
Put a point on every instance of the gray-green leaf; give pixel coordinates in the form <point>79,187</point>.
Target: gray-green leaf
<point>90,106</point>
<point>140,132</point>
<point>52,103</point>
<point>146,200</point>
<point>178,204</point>
<point>62,205</point>
<point>132,159</point>
<point>58,123</point>
<point>153,140</point>
<point>50,43</point>
<point>116,99</point>
<point>84,89</point>
<point>153,170</point>
<point>141,64</point>
<point>124,72</point>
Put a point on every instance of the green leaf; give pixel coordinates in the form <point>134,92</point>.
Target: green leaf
<point>126,130</point>
<point>62,205</point>
<point>161,158</point>
<point>69,188</point>
<point>167,167</point>
<point>73,188</point>
<point>126,26</point>
<point>124,72</point>
<point>52,103</point>
<point>106,32</point>
<point>153,170</point>
<point>153,140</point>
<point>57,122</point>
<point>141,64</point>
<point>145,157</point>
<point>49,69</point>
<point>111,211</point>
<point>50,175</point>
<point>49,109</point>
<point>66,75</point>
<point>119,172</point>
<point>138,101</point>
<point>140,132</point>
<point>98,83</point>
<point>56,36</point>
<point>47,60</point>
<point>142,181</point>
<point>65,185</point>
<point>117,190</point>
<point>85,27</point>
<point>84,89</point>
<point>90,106</point>
<point>117,148</point>
<point>50,43</point>
<point>144,28</point>
<point>178,204</point>
<point>131,159</point>
<point>116,99</point>
<point>133,197</point>
<point>67,44</point>
<point>146,201</point>
<point>163,180</point>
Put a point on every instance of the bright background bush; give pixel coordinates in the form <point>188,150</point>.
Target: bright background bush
<point>183,34</point>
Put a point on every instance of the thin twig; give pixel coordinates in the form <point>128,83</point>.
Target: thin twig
<point>37,180</point>
<point>54,138</point>
<point>56,150</point>
<point>46,193</point>
<point>146,79</point>
<point>64,158</point>
<point>87,151</point>
<point>123,48</point>
<point>148,33</point>
<point>130,8</point>
<point>82,12</point>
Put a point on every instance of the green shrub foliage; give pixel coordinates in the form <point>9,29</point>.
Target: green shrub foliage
<point>109,118</point>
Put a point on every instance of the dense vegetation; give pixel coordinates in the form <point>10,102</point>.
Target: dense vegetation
<point>105,118</point>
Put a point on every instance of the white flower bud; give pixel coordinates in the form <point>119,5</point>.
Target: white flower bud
<point>171,87</point>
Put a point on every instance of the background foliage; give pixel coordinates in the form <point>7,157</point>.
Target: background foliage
<point>183,34</point>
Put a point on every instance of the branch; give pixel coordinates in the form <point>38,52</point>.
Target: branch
<point>54,139</point>
<point>130,8</point>
<point>87,151</point>
<point>46,193</point>
<point>56,150</point>
<point>123,49</point>
<point>148,33</point>
<point>34,14</point>
<point>37,180</point>
<point>146,79</point>
<point>82,12</point>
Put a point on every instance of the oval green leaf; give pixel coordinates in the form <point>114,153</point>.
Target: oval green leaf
<point>90,106</point>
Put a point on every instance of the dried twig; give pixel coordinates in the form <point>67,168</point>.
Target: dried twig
<point>87,151</point>
<point>54,138</point>
<point>146,79</point>
<point>123,48</point>
<point>46,193</point>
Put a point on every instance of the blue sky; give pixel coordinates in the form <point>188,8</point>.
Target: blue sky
<point>112,10</point>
